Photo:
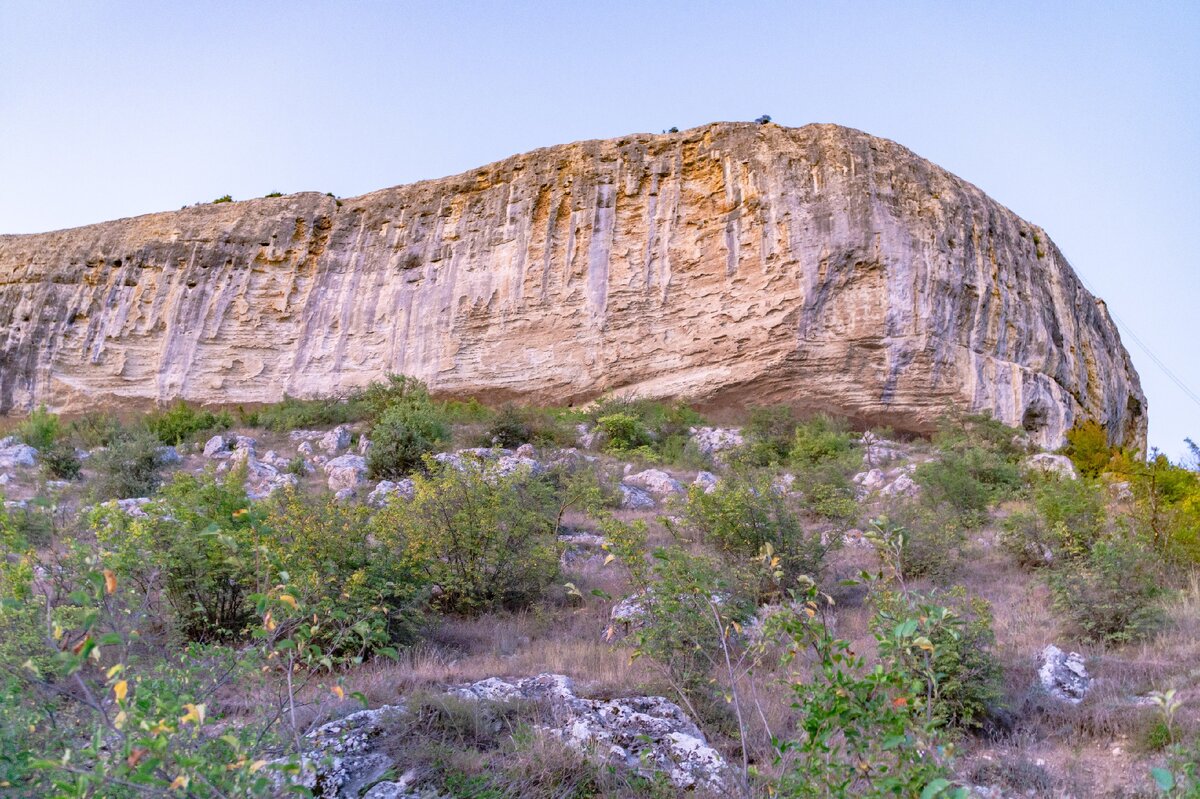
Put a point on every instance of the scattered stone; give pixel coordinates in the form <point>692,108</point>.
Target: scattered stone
<point>496,461</point>
<point>635,498</point>
<point>878,451</point>
<point>335,440</point>
<point>784,483</point>
<point>871,480</point>
<point>1063,675</point>
<point>585,437</point>
<point>654,481</point>
<point>526,451</point>
<point>386,490</point>
<point>270,486</point>
<point>305,435</point>
<point>707,481</point>
<point>578,548</point>
<point>345,495</point>
<point>714,440</point>
<point>216,447</point>
<point>1048,463</point>
<point>1121,491</point>
<point>5,479</point>
<point>305,449</point>
<point>346,471</point>
<point>364,445</point>
<point>169,456</point>
<point>57,485</point>
<point>343,760</point>
<point>902,486</point>
<point>645,734</point>
<point>14,453</point>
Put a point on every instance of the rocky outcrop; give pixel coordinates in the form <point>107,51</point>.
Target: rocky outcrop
<point>730,264</point>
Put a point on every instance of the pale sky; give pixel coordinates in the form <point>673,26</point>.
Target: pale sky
<point>1083,118</point>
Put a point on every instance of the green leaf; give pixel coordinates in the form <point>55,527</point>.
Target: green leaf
<point>1163,778</point>
<point>934,788</point>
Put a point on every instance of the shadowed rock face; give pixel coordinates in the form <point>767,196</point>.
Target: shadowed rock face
<point>728,264</point>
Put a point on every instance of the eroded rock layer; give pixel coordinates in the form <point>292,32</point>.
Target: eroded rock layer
<point>729,264</point>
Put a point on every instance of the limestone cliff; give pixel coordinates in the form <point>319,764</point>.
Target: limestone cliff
<point>732,263</point>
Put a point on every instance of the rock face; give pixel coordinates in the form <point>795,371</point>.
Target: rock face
<point>729,264</point>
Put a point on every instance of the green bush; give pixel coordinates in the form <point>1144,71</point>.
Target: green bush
<point>742,515</point>
<point>961,674</point>
<point>1088,448</point>
<point>486,541</point>
<point>510,428</point>
<point>819,440</point>
<point>94,429</point>
<point>933,538</point>
<point>1069,518</point>
<point>181,422</point>
<point>291,413</point>
<point>969,481</point>
<point>128,467</point>
<point>41,430</point>
<point>1113,594</point>
<point>60,461</point>
<point>623,432</point>
<point>404,434</point>
<point>864,730</point>
<point>770,433</point>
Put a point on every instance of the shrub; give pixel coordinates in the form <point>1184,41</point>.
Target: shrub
<point>820,440</point>
<point>486,541</point>
<point>60,461</point>
<point>742,515</point>
<point>41,430</point>
<point>224,198</point>
<point>1069,518</point>
<point>769,433</point>
<point>864,729</point>
<point>337,570</point>
<point>291,413</point>
<point>509,428</point>
<point>94,429</point>
<point>402,437</point>
<point>969,480</point>
<point>1088,448</point>
<point>962,676</point>
<point>1112,595</point>
<point>181,422</point>
<point>128,467</point>
<point>932,538</point>
<point>200,545</point>
<point>623,432</point>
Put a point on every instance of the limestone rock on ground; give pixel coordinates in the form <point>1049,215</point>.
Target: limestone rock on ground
<point>1049,463</point>
<point>386,490</point>
<point>346,472</point>
<point>707,481</point>
<point>14,453</point>
<point>712,441</point>
<point>1063,675</point>
<point>644,734</point>
<point>655,482</point>
<point>633,498</point>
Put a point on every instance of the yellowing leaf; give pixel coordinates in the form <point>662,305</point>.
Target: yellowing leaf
<point>120,720</point>
<point>120,689</point>
<point>289,599</point>
<point>257,765</point>
<point>339,692</point>
<point>58,631</point>
<point>609,558</point>
<point>114,671</point>
<point>180,783</point>
<point>195,713</point>
<point>110,581</point>
<point>268,622</point>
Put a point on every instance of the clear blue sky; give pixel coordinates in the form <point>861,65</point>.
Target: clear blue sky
<point>1083,118</point>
